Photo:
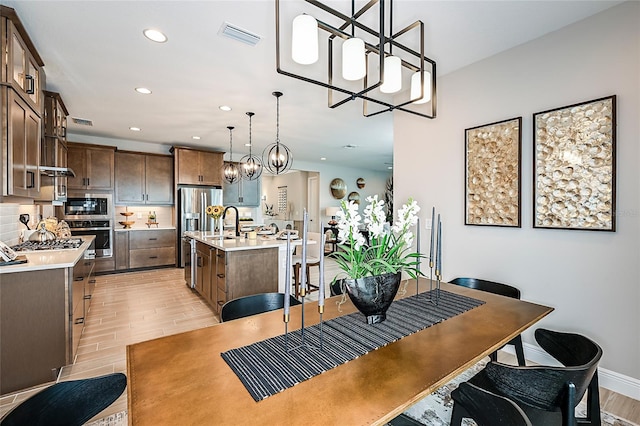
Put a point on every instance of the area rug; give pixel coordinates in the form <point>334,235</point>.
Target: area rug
<point>435,409</point>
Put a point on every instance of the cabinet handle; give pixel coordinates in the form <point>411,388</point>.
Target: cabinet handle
<point>152,239</point>
<point>88,182</point>
<point>64,132</point>
<point>32,179</point>
<point>220,275</point>
<point>79,321</point>
<point>87,297</point>
<point>31,84</point>
<point>79,279</point>
<point>220,255</point>
<point>92,281</point>
<point>155,257</point>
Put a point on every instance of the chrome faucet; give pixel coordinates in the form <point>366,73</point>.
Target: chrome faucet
<point>224,214</point>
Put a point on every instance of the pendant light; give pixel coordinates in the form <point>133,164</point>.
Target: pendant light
<point>277,158</point>
<point>392,75</point>
<point>416,84</point>
<point>231,173</point>
<point>250,165</point>
<point>354,60</point>
<point>304,39</point>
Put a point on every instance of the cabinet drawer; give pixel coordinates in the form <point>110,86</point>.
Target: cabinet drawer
<point>142,258</point>
<point>151,239</point>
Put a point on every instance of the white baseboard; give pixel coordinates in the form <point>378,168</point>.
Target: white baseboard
<point>608,379</point>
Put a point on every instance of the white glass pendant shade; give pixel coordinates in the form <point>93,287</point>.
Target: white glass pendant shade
<point>354,61</point>
<point>392,75</point>
<point>415,88</point>
<point>304,40</point>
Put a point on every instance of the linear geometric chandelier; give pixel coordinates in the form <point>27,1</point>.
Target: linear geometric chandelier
<point>361,62</point>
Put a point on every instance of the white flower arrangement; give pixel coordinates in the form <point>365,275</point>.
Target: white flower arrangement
<point>388,248</point>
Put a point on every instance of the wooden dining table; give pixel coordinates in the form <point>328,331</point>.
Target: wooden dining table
<point>183,380</point>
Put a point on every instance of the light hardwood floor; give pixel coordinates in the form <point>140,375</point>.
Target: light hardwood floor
<point>132,307</point>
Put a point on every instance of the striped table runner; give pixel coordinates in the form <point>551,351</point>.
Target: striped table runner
<point>266,368</point>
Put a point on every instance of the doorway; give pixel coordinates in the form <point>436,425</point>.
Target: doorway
<point>313,201</point>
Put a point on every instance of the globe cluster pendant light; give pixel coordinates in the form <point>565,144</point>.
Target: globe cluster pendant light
<point>250,165</point>
<point>277,158</point>
<point>230,171</point>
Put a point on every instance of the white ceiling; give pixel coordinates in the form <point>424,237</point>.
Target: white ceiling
<point>95,55</point>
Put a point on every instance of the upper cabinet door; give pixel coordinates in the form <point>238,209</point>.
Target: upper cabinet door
<point>24,68</point>
<point>188,162</point>
<point>159,179</point>
<point>94,167</point>
<point>130,178</point>
<point>23,147</point>
<point>211,168</point>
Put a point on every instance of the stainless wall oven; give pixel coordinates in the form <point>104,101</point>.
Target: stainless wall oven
<point>103,231</point>
<point>91,214</point>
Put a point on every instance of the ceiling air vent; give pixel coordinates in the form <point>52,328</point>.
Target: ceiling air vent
<point>82,121</point>
<point>240,34</point>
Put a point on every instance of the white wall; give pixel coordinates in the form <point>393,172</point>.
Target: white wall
<point>592,279</point>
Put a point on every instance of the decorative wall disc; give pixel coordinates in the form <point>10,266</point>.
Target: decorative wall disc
<point>354,196</point>
<point>338,188</point>
<point>360,183</point>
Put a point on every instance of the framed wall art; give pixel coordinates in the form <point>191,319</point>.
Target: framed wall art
<point>492,174</point>
<point>574,158</point>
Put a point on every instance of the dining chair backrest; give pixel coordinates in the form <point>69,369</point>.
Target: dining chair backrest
<point>72,402</point>
<point>488,286</point>
<point>543,391</point>
<point>485,408</point>
<point>253,304</point>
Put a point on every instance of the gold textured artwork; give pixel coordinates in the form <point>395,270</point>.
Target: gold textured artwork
<point>493,174</point>
<point>574,166</point>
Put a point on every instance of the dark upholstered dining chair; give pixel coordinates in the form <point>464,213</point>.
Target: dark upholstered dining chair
<point>254,304</point>
<point>503,290</point>
<point>547,395</point>
<point>486,408</point>
<point>68,403</point>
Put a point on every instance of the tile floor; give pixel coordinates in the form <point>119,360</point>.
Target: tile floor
<point>132,307</point>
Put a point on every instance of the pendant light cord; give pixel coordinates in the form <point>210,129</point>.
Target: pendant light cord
<point>230,143</point>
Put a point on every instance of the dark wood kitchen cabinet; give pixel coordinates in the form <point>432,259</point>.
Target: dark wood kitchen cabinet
<point>20,146</point>
<point>143,178</point>
<point>194,167</point>
<point>242,273</point>
<point>93,166</point>
<point>21,63</point>
<point>153,247</point>
<point>21,80</point>
<point>43,315</point>
<point>53,150</point>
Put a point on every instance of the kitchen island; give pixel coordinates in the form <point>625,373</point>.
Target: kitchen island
<point>231,267</point>
<point>42,307</point>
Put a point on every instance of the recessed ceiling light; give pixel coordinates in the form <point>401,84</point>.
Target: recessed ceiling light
<point>323,158</point>
<point>155,35</point>
<point>390,168</point>
<point>225,107</point>
<point>143,90</point>
<point>195,138</point>
<point>350,146</point>
<point>247,144</point>
<point>134,129</point>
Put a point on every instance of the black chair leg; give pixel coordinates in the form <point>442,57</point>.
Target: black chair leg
<point>517,343</point>
<point>593,404</point>
<point>457,414</point>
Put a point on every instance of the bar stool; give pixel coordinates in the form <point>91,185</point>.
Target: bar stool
<point>313,259</point>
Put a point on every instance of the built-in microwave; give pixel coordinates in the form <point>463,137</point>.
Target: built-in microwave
<point>88,206</point>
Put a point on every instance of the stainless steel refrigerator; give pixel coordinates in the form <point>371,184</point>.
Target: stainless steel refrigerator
<point>192,203</point>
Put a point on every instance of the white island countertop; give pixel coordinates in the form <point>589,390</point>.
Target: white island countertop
<point>240,243</point>
<point>49,259</point>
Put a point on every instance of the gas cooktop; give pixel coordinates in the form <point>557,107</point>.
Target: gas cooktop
<point>63,244</point>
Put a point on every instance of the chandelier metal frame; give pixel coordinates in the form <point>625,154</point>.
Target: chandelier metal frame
<point>250,165</point>
<point>412,60</point>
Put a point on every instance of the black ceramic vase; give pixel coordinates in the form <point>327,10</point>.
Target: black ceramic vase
<point>373,295</point>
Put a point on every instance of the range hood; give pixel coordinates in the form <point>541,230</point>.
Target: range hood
<point>56,171</point>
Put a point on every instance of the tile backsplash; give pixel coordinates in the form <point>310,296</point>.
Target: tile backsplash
<point>10,225</point>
